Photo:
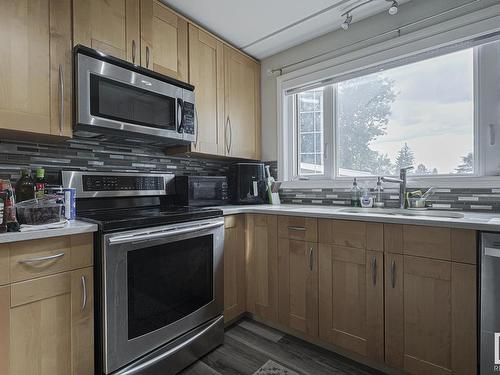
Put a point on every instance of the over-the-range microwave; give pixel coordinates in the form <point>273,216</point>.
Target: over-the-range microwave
<point>117,99</point>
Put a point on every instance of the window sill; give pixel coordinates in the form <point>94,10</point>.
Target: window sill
<point>463,182</point>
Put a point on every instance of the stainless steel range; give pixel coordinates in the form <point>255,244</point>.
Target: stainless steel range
<point>158,272</point>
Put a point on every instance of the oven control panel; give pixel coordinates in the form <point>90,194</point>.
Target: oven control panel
<point>122,183</point>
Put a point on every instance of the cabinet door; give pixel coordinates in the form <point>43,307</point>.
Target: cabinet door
<point>110,26</point>
<point>35,66</point>
<point>262,266</point>
<point>82,321</point>
<point>241,105</point>
<point>234,267</point>
<point>40,326</point>
<point>298,285</point>
<point>4,329</point>
<point>351,299</point>
<point>206,74</point>
<point>164,40</point>
<point>430,313</point>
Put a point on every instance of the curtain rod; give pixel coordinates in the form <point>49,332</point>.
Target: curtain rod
<point>396,30</point>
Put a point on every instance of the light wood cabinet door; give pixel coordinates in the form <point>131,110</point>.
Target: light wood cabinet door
<point>35,66</point>
<point>234,267</point>
<point>46,325</point>
<point>206,73</point>
<point>241,105</point>
<point>351,299</point>
<point>110,26</point>
<point>430,315</point>
<point>298,285</point>
<point>262,266</point>
<point>164,40</point>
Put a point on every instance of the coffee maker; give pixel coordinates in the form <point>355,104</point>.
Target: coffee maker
<point>247,183</point>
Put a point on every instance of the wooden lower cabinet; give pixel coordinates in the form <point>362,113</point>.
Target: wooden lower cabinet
<point>262,266</point>
<point>298,285</point>
<point>351,299</point>
<point>47,325</point>
<point>234,267</point>
<point>430,315</point>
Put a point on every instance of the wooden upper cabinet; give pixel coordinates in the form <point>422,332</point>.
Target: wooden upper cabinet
<point>164,40</point>
<point>262,266</point>
<point>298,285</point>
<point>206,73</point>
<point>110,26</point>
<point>35,66</point>
<point>234,267</point>
<point>241,105</point>
<point>430,315</point>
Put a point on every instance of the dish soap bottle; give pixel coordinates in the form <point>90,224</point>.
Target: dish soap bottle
<point>25,188</point>
<point>355,194</point>
<point>378,194</point>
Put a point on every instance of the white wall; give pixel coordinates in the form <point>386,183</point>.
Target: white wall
<point>337,43</point>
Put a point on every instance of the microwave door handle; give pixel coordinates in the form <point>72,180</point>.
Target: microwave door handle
<point>180,115</point>
<point>164,233</point>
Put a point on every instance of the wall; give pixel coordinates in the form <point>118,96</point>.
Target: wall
<point>337,43</point>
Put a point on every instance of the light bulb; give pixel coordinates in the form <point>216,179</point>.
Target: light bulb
<point>347,22</point>
<point>393,10</point>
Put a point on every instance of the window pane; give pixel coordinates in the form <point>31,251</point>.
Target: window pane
<point>421,114</point>
<point>310,132</point>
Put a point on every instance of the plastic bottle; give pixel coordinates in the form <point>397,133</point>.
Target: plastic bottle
<point>25,187</point>
<point>355,194</point>
<point>378,194</point>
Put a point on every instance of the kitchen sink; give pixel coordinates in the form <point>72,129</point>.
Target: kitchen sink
<point>401,212</point>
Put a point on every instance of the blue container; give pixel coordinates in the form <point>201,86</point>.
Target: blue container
<point>69,203</point>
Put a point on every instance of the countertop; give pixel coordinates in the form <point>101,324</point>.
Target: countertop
<point>73,227</point>
<point>471,220</point>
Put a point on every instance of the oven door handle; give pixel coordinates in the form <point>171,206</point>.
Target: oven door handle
<point>163,233</point>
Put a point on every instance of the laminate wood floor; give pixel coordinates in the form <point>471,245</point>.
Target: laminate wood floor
<point>248,345</point>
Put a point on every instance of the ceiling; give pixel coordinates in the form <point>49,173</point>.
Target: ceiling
<point>263,28</point>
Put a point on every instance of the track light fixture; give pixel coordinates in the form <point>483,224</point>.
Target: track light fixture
<point>393,10</point>
<point>347,22</point>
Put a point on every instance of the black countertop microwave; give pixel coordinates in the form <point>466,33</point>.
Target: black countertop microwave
<point>199,191</point>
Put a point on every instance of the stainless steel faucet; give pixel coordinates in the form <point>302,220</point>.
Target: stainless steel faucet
<point>402,184</point>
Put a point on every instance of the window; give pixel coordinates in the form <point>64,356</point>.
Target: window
<point>422,112</point>
<point>310,132</point>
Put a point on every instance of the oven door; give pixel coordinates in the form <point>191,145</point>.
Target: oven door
<point>158,284</point>
<point>120,100</point>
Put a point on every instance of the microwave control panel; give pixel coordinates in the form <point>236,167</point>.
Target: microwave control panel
<point>189,120</point>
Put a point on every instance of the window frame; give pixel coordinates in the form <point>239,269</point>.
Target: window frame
<point>483,174</point>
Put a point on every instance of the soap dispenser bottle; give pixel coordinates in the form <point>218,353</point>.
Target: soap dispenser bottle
<point>355,194</point>
<point>378,194</point>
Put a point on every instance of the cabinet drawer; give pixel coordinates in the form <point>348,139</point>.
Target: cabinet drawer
<point>298,228</point>
<point>30,259</point>
<point>354,234</point>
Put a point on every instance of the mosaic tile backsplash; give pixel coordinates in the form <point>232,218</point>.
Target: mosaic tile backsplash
<point>463,199</point>
<point>77,154</point>
<point>80,154</point>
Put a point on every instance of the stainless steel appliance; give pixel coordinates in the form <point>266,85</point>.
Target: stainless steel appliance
<point>199,191</point>
<point>248,183</point>
<point>116,99</point>
<point>158,273</point>
<point>490,304</point>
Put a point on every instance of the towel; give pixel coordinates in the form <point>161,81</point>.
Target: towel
<point>31,228</point>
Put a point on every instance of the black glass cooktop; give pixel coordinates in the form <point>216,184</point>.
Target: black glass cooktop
<point>123,219</point>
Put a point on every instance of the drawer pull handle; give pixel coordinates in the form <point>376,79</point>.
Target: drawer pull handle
<point>300,229</point>
<point>41,259</point>
<point>84,293</point>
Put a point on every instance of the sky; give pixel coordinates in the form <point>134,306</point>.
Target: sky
<point>433,111</point>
